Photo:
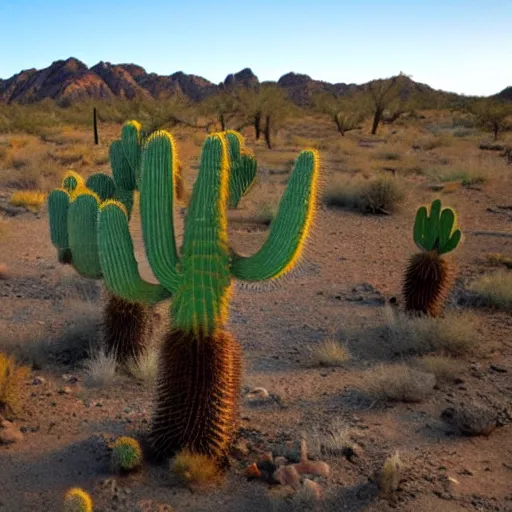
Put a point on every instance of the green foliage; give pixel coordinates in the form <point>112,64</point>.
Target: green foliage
<point>494,116</point>
<point>346,112</point>
<point>437,231</point>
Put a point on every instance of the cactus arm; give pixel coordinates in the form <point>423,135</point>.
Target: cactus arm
<point>453,241</point>
<point>157,191</point>
<point>289,231</point>
<point>118,263</point>
<point>82,233</point>
<point>242,176</point>
<point>446,223</point>
<point>121,169</point>
<point>102,185</point>
<point>432,227</point>
<point>419,227</point>
<point>58,204</point>
<point>126,198</point>
<point>200,303</point>
<point>131,145</point>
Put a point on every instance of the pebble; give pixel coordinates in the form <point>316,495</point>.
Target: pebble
<point>9,433</point>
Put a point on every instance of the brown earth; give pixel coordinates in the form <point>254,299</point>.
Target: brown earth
<point>354,264</point>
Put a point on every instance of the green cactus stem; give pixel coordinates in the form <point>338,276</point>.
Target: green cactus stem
<point>199,380</point>
<point>73,214</point>
<point>429,276</point>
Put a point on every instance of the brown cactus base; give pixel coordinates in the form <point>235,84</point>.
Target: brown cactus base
<point>125,328</point>
<point>428,280</point>
<point>197,395</point>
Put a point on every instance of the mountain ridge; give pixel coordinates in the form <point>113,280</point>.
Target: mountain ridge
<point>70,80</point>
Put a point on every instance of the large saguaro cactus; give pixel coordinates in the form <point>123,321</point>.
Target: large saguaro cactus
<point>200,366</point>
<point>429,276</point>
<point>73,214</point>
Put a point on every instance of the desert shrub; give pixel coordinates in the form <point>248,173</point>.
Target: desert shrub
<point>497,259</point>
<point>390,474</point>
<point>453,334</point>
<point>495,289</point>
<point>194,469</point>
<point>388,155</point>
<point>145,367</point>
<point>377,195</point>
<point>399,383</point>
<point>11,376</point>
<point>330,353</point>
<point>100,369</point>
<point>445,369</point>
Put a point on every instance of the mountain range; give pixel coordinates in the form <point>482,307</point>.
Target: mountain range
<point>68,81</point>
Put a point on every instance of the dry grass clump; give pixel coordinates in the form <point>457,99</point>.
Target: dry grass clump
<point>390,474</point>
<point>382,194</point>
<point>445,369</point>
<point>495,289</point>
<point>100,369</point>
<point>194,469</point>
<point>145,367</point>
<point>498,260</point>
<point>330,353</point>
<point>11,376</point>
<point>399,383</point>
<point>32,200</point>
<point>454,334</point>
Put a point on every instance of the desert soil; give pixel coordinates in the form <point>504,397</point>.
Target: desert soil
<point>354,265</point>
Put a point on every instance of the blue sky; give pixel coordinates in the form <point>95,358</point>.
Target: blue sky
<point>455,45</point>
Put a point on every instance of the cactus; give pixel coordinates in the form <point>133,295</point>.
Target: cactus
<point>429,276</point>
<point>77,500</point>
<point>243,168</point>
<point>73,212</point>
<point>126,454</point>
<point>200,367</point>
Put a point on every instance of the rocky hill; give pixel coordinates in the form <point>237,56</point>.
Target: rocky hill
<point>70,80</point>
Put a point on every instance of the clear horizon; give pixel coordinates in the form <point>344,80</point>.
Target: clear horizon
<point>458,46</point>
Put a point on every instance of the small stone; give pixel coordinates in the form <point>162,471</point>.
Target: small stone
<point>66,390</point>
<point>467,472</point>
<point>498,369</point>
<point>38,380</point>
<point>9,433</point>
<point>241,449</point>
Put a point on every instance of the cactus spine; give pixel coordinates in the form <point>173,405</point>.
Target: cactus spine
<point>73,213</point>
<point>200,368</point>
<point>77,500</point>
<point>429,276</point>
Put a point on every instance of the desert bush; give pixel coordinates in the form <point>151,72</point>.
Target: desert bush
<point>467,176</point>
<point>11,376</point>
<point>377,195</point>
<point>387,155</point>
<point>399,383</point>
<point>194,469</point>
<point>32,200</point>
<point>495,289</point>
<point>100,369</point>
<point>445,369</point>
<point>453,334</point>
<point>330,353</point>
<point>145,367</point>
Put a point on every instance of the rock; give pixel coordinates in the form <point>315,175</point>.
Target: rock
<point>241,449</point>
<point>66,390</point>
<point>497,369</point>
<point>38,380</point>
<point>288,475</point>
<point>312,489</point>
<point>9,433</point>
<point>471,420</point>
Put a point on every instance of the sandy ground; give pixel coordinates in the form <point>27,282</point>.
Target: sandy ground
<point>353,266</point>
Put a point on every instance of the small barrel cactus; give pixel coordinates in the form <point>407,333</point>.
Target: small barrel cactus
<point>429,276</point>
<point>77,500</point>
<point>126,454</point>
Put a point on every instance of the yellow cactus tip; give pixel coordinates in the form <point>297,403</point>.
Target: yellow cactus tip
<point>77,500</point>
<point>84,191</point>
<point>134,123</point>
<point>114,202</point>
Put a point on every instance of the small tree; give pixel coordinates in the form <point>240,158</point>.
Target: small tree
<point>492,115</point>
<point>223,106</point>
<point>265,107</point>
<point>385,95</point>
<point>345,112</point>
